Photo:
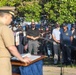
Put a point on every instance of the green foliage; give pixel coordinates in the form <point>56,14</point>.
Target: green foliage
<point>31,11</point>
<point>13,2</point>
<point>3,2</point>
<point>61,10</point>
<point>10,2</point>
<point>56,10</point>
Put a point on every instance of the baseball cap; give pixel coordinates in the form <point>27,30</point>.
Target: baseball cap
<point>64,24</point>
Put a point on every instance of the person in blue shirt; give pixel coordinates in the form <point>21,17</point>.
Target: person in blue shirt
<point>66,40</point>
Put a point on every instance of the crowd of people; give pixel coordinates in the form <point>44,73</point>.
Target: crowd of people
<point>47,40</point>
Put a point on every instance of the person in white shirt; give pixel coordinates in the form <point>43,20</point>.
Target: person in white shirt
<point>56,41</point>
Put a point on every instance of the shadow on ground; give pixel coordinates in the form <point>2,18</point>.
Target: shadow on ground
<point>48,61</point>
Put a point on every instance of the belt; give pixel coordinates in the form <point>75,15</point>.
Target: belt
<point>32,40</point>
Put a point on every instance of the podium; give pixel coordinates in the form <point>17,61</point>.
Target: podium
<point>35,67</point>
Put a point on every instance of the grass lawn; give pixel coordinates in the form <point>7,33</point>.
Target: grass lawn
<point>49,62</point>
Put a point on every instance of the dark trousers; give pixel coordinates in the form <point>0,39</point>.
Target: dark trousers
<point>73,55</point>
<point>66,54</point>
<point>20,47</point>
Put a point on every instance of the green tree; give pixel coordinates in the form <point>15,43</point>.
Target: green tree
<point>31,11</point>
<point>27,8</point>
<point>61,10</point>
<point>3,2</point>
<point>10,2</point>
<point>55,10</point>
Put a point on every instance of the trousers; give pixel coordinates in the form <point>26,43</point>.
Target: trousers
<point>5,66</point>
<point>33,45</point>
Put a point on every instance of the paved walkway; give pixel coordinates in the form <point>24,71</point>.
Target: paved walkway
<point>54,70</point>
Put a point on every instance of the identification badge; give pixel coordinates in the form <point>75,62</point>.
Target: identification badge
<point>66,33</point>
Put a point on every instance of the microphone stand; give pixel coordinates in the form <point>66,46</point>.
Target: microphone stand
<point>61,70</point>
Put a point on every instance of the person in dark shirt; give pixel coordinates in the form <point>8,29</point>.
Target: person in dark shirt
<point>66,40</point>
<point>73,50</point>
<point>32,35</point>
<point>74,34</point>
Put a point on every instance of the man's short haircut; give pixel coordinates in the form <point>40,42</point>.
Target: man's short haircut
<point>2,13</point>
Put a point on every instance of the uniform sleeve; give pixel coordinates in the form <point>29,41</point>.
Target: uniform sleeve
<point>7,36</point>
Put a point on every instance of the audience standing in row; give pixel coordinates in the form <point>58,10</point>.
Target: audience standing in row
<point>62,39</point>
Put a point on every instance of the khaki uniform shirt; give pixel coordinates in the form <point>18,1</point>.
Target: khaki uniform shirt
<point>6,40</point>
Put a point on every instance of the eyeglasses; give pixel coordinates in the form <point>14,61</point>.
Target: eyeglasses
<point>32,24</point>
